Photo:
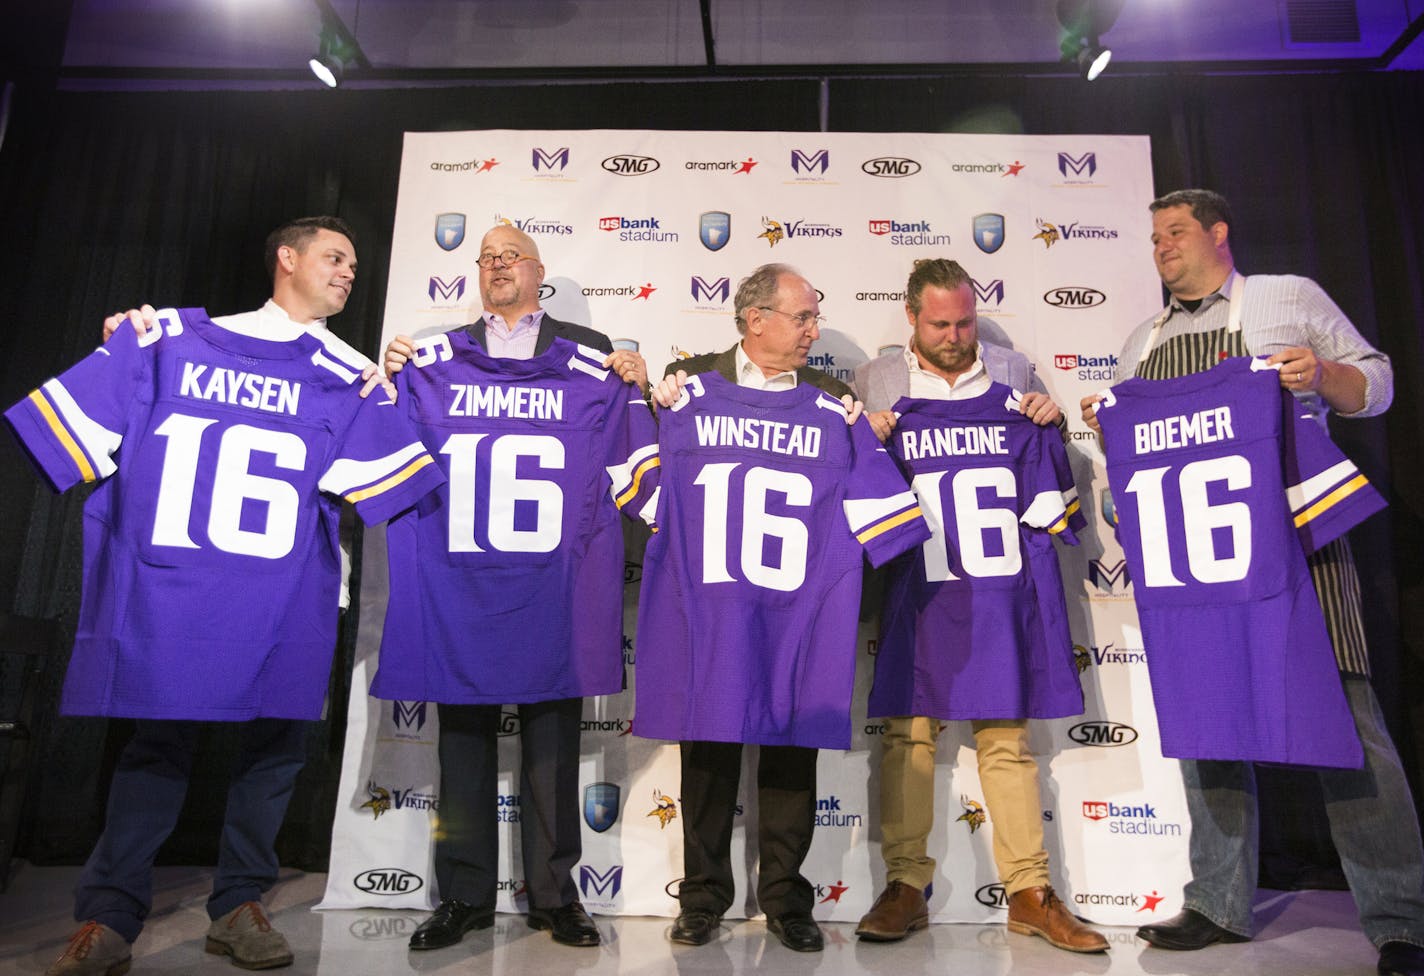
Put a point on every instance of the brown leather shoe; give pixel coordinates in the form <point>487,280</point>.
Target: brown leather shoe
<point>898,911</point>
<point>1038,911</point>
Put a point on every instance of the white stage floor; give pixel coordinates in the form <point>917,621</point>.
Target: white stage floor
<point>1311,933</point>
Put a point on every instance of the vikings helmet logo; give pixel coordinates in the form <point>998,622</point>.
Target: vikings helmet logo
<point>666,809</point>
<point>380,801</point>
<point>1048,233</point>
<point>1081,657</point>
<point>973,814</point>
<point>773,233</point>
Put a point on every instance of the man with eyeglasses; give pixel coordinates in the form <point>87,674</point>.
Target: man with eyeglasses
<point>778,316</point>
<point>945,360</point>
<point>513,326</point>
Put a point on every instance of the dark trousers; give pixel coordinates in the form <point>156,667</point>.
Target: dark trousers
<point>467,846</point>
<point>786,816</point>
<point>145,798</point>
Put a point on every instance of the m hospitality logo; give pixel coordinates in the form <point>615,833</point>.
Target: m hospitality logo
<point>408,717</point>
<point>446,294</point>
<point>830,894</point>
<point>1080,170</point>
<point>600,888</point>
<point>830,814</point>
<point>638,229</point>
<point>988,296</point>
<point>1108,580</point>
<point>1051,233</point>
<point>664,808</point>
<point>1142,903</point>
<point>633,292</point>
<point>711,295</point>
<point>1135,820</point>
<point>735,167</point>
<point>537,225</point>
<point>466,166</point>
<point>809,167</point>
<point>1095,368</point>
<point>890,167</point>
<point>910,233</point>
<point>628,164</point>
<point>549,165</point>
<point>384,800</point>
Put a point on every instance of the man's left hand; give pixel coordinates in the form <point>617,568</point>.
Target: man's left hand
<point>629,366</point>
<point>854,408</point>
<point>1301,371</point>
<point>1039,408</point>
<point>373,378</point>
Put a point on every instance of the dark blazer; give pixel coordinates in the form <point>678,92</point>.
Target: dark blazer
<point>726,364</point>
<point>550,329</point>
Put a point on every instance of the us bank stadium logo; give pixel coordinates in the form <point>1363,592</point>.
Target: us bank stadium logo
<point>664,808</point>
<point>711,294</point>
<point>775,231</point>
<point>1142,903</point>
<point>992,896</point>
<point>826,363</point>
<point>466,166</point>
<point>735,167</point>
<point>600,805</point>
<point>988,229</point>
<point>890,167</point>
<point>446,293</point>
<point>1080,170</point>
<point>549,164</point>
<point>988,296</point>
<point>388,881</point>
<point>638,229</point>
<point>907,233</point>
<point>1074,296</point>
<point>1103,734</point>
<point>830,894</point>
<point>1052,233</point>
<point>810,166</point>
<point>1087,367</point>
<point>829,813</point>
<point>627,164</point>
<point>714,229</point>
<point>1129,819</point>
<point>449,230</point>
<point>537,226</point>
<point>506,807</point>
<point>973,816</point>
<point>600,888</point>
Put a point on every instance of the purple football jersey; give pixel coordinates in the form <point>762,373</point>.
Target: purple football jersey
<point>751,586</point>
<point>211,563</point>
<point>975,625</point>
<point>506,585</point>
<point>1222,485</point>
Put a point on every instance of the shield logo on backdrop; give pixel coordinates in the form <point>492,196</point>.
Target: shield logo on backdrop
<point>989,232</point>
<point>714,229</point>
<point>600,805</point>
<point>450,230</point>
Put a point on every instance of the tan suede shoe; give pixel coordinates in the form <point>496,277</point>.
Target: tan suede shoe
<point>249,939</point>
<point>898,911</point>
<point>95,950</point>
<point>1038,911</point>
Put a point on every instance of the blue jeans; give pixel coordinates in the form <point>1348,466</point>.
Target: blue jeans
<point>1372,822</point>
<point>145,798</point>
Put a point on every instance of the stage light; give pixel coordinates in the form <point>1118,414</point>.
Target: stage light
<point>1083,23</point>
<point>336,48</point>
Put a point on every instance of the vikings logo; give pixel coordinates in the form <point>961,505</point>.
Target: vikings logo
<point>773,233</point>
<point>1048,233</point>
<point>380,801</point>
<point>666,809</point>
<point>973,814</point>
<point>1081,657</point>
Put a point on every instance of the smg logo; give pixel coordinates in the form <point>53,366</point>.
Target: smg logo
<point>551,161</point>
<point>629,165</point>
<point>992,896</point>
<point>508,724</point>
<point>1074,296</point>
<point>388,881</point>
<point>890,167</point>
<point>1102,734</point>
<point>606,883</point>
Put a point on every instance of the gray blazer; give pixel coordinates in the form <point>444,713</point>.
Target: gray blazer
<point>550,329</point>
<point>880,382</point>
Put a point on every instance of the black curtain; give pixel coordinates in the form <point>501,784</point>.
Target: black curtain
<point>107,199</point>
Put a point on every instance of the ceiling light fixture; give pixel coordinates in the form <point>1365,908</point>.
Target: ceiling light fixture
<point>337,48</point>
<point>1083,23</point>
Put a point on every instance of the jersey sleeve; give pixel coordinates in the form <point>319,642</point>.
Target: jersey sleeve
<point>1054,505</point>
<point>1326,493</point>
<point>381,466</point>
<point>634,465</point>
<point>72,426</point>
<point>881,510</point>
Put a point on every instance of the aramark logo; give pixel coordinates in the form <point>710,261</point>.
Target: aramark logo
<point>1129,900</point>
<point>829,813</point>
<point>890,167</point>
<point>988,169</point>
<point>537,225</point>
<point>831,893</point>
<point>600,887</point>
<point>627,164</point>
<point>466,166</point>
<point>880,296</point>
<point>1109,579</point>
<point>550,160</point>
<point>711,295</point>
<point>1102,734</point>
<point>915,233</point>
<point>638,229</point>
<point>633,292</point>
<point>812,166</point>
<point>1087,367</point>
<point>449,292</point>
<point>1074,296</point>
<point>735,167</point>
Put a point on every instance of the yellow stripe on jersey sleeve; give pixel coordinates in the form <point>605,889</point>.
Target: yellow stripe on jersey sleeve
<point>62,434</point>
<point>880,528</point>
<point>386,485</point>
<point>1332,499</point>
<point>638,472</point>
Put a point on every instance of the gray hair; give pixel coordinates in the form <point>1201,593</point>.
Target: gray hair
<point>758,290</point>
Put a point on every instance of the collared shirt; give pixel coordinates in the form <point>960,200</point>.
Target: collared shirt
<point>925,385</point>
<point>271,322</point>
<point>518,342</point>
<point>750,374</point>
<point>1278,312</point>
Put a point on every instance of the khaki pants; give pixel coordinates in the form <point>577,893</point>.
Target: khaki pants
<point>1008,773</point>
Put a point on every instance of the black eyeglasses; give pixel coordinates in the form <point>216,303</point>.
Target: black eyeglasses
<point>804,320</point>
<point>508,258</point>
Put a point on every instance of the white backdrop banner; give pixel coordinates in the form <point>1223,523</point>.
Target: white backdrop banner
<point>645,236</point>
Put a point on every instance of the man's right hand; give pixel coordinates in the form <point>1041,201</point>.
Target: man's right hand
<point>1090,416</point>
<point>882,422</point>
<point>143,318</point>
<point>669,388</point>
<point>401,348</point>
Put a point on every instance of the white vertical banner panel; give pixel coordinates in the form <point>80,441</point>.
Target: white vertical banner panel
<point>645,236</point>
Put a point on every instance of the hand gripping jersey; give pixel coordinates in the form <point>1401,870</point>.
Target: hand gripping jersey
<point>211,565</point>
<point>751,587</point>
<point>975,626</point>
<point>507,585</point>
<point>1222,486</point>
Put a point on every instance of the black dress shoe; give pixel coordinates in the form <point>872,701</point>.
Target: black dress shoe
<point>1401,959</point>
<point>450,923</point>
<point>695,926</point>
<point>569,925</point>
<point>799,932</point>
<point>1186,931</point>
